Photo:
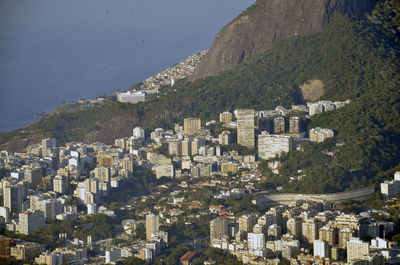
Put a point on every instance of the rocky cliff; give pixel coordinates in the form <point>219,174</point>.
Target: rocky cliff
<point>266,22</point>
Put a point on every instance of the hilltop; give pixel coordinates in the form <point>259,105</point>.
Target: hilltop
<point>266,23</point>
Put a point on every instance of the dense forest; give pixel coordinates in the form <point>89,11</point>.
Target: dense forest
<point>355,58</point>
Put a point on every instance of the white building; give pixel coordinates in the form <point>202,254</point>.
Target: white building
<point>91,208</point>
<point>315,108</point>
<point>138,133</point>
<point>391,188</point>
<point>379,243</point>
<point>321,249</point>
<point>131,97</point>
<point>270,145</point>
<point>255,241</point>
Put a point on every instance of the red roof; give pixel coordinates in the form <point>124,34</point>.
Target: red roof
<point>188,255</point>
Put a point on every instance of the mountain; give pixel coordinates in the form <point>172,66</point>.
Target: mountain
<point>267,22</point>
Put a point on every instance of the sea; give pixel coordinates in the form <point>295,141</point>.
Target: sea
<point>54,51</point>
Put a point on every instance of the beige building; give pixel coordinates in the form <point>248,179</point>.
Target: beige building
<point>224,138</point>
<point>279,125</point>
<point>187,147</point>
<point>103,174</point>
<point>26,251</point>
<point>128,164</point>
<point>344,235</point>
<point>175,147</point>
<point>152,225</point>
<point>229,167</point>
<point>33,176</point>
<point>294,226</point>
<point>60,184</point>
<point>310,229</point>
<point>356,249</point>
<point>218,229</point>
<point>294,125</point>
<point>191,126</point>
<point>48,143</point>
<point>245,127</point>
<point>247,222</point>
<point>92,185</point>
<point>225,117</point>
<point>319,135</point>
<point>196,144</point>
<point>329,235</point>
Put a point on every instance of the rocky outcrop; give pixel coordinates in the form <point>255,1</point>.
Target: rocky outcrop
<point>266,22</point>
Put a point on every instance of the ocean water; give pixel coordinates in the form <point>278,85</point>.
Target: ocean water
<point>54,51</point>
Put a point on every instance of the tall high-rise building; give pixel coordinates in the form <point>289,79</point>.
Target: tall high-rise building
<point>13,198</point>
<point>103,174</point>
<point>356,249</point>
<point>279,125</point>
<point>294,125</point>
<point>294,227</point>
<point>321,249</point>
<point>329,235</point>
<point>246,222</point>
<point>152,225</point>
<point>60,184</point>
<point>191,126</point>
<point>48,144</point>
<point>50,208</point>
<point>175,147</point>
<point>245,127</point>
<point>187,147</point>
<point>29,222</point>
<point>92,185</point>
<point>196,144</point>
<point>33,176</point>
<point>128,165</point>
<point>310,229</point>
<point>218,229</point>
<point>345,235</point>
<point>277,214</point>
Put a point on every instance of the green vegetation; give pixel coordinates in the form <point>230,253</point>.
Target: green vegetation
<point>141,183</point>
<point>217,255</point>
<point>99,226</point>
